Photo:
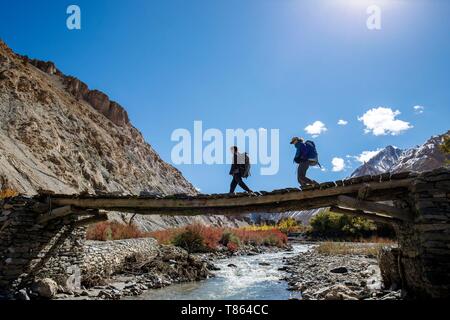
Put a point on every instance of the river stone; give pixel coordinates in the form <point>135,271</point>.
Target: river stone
<point>338,292</point>
<point>339,270</point>
<point>45,288</point>
<point>22,295</point>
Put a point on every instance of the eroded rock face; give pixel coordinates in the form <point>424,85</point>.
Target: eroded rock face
<point>56,134</point>
<point>75,87</point>
<point>97,99</point>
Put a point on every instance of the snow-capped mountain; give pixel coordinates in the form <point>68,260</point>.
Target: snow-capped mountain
<point>427,156</point>
<point>381,162</point>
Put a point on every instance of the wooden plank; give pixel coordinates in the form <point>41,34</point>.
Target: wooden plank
<point>352,203</point>
<point>55,214</point>
<point>365,215</point>
<point>364,192</point>
<point>138,203</point>
<point>91,220</point>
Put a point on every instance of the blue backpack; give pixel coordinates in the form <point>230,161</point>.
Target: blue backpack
<point>311,153</point>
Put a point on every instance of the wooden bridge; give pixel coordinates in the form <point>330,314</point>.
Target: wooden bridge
<point>43,236</point>
<point>357,196</point>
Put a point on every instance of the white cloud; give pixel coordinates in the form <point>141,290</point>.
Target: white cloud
<point>342,122</point>
<point>365,156</point>
<point>338,164</point>
<point>316,129</point>
<point>419,109</point>
<point>382,121</point>
<point>198,189</point>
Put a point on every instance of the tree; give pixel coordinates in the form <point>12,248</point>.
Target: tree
<point>445,147</point>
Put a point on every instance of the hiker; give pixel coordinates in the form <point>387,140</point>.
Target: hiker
<point>240,168</point>
<point>305,156</point>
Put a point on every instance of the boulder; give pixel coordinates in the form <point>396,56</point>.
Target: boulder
<point>336,292</point>
<point>45,288</point>
<point>388,262</point>
<point>22,295</point>
<point>339,270</point>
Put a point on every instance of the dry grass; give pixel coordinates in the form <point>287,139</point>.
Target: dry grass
<point>346,248</point>
<point>8,193</point>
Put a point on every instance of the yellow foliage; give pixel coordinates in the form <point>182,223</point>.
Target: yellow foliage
<point>286,226</point>
<point>8,193</point>
<point>263,227</point>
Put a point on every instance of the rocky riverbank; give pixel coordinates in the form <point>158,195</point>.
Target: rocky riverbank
<point>353,275</point>
<point>138,273</point>
<point>171,265</point>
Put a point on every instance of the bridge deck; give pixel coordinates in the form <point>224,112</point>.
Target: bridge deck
<point>382,187</point>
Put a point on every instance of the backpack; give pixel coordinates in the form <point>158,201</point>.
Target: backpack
<point>311,153</point>
<point>247,166</point>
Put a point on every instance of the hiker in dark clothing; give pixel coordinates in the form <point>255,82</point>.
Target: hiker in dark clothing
<point>301,157</point>
<point>238,170</point>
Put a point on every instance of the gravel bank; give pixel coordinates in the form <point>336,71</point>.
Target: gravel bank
<point>318,276</point>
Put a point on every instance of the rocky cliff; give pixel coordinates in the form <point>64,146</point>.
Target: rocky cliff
<point>57,134</point>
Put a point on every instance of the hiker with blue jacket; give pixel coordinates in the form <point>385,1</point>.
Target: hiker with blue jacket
<point>305,156</point>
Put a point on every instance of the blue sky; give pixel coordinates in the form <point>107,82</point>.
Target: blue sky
<point>281,64</point>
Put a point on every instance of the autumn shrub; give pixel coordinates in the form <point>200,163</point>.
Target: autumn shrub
<point>211,236</point>
<point>165,236</point>
<point>113,230</point>
<point>288,225</point>
<point>271,237</point>
<point>232,247</point>
<point>191,240</point>
<point>229,237</point>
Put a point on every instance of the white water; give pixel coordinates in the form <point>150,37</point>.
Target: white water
<point>248,281</point>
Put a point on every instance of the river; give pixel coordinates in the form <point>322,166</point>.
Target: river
<point>253,277</point>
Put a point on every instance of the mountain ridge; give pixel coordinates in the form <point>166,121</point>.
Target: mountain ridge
<point>424,157</point>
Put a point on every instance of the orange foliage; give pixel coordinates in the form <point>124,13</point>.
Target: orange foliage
<point>232,247</point>
<point>112,230</point>
<point>211,237</point>
<point>8,193</point>
<point>271,237</point>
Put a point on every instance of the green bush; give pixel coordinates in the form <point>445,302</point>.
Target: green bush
<point>445,147</point>
<point>229,237</point>
<point>190,240</point>
<point>328,224</point>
